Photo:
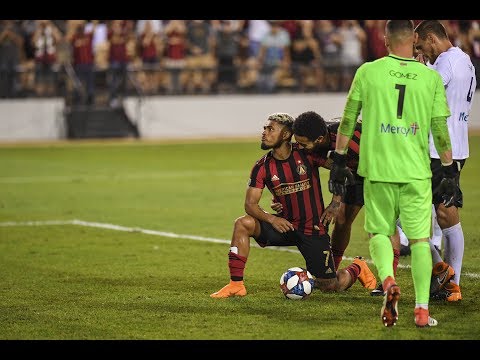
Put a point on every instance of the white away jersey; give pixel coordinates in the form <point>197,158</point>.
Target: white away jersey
<point>458,75</point>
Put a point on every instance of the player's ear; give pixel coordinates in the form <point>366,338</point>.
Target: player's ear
<point>287,134</point>
<point>319,140</point>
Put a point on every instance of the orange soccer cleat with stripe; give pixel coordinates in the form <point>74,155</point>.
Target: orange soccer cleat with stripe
<point>441,275</point>
<point>450,292</point>
<point>453,292</point>
<point>366,277</point>
<point>234,288</point>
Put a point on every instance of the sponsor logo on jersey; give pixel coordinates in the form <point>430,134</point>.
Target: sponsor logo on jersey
<point>290,188</point>
<point>463,117</point>
<point>399,130</point>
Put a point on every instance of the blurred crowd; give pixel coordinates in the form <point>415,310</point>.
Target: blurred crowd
<point>100,61</point>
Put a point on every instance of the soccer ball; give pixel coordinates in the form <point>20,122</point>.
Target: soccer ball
<point>296,283</point>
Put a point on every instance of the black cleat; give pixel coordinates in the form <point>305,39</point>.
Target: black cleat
<point>378,291</point>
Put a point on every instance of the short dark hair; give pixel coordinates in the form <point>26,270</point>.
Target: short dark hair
<point>431,26</point>
<point>310,124</point>
<point>397,29</point>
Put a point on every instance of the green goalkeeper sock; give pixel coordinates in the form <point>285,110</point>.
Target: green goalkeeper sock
<point>381,251</point>
<point>421,263</point>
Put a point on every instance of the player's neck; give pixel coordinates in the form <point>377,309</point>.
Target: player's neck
<point>402,50</point>
<point>283,151</point>
<point>444,46</point>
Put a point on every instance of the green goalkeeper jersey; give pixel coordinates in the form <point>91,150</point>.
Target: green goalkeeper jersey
<point>399,99</point>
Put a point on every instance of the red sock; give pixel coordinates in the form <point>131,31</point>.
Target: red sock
<point>236,263</point>
<point>337,257</point>
<point>396,259</point>
<point>354,271</point>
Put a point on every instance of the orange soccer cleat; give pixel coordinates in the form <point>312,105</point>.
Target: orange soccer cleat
<point>366,277</point>
<point>423,319</point>
<point>441,275</point>
<point>234,288</point>
<point>450,292</point>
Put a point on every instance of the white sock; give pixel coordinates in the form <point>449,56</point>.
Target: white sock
<point>403,237</point>
<point>437,231</point>
<point>454,248</point>
<point>436,258</point>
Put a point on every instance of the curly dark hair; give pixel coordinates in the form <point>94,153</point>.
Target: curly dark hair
<point>310,124</point>
<point>282,118</point>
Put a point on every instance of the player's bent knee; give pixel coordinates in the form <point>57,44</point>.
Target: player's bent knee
<point>246,223</point>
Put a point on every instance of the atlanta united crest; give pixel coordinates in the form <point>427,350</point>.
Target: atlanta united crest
<point>301,169</point>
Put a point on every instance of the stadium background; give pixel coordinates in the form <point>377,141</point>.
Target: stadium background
<point>133,78</point>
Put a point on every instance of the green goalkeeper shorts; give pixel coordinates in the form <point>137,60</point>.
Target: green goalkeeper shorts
<point>411,202</point>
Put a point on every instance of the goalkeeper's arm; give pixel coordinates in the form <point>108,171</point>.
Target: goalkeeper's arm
<point>340,174</point>
<point>441,139</point>
<point>347,125</point>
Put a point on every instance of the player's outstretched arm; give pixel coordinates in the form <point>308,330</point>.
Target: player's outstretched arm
<point>329,216</point>
<point>340,174</point>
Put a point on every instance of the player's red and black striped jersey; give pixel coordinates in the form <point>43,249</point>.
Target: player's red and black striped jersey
<point>353,145</point>
<point>295,183</point>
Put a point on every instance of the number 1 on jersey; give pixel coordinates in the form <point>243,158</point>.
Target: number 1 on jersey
<point>401,99</point>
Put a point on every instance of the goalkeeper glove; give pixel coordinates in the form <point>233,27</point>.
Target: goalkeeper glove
<point>448,185</point>
<point>340,174</point>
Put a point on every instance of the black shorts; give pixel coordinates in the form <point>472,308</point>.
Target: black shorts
<point>437,176</point>
<point>354,193</point>
<point>316,250</point>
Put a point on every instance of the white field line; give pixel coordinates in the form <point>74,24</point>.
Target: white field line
<point>165,234</point>
<point>130,229</point>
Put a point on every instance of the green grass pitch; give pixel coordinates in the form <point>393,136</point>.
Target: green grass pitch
<point>140,239</point>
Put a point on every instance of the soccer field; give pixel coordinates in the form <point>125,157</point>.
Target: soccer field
<point>125,240</point>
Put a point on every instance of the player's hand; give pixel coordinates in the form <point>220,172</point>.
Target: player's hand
<point>282,225</point>
<point>276,206</point>
<point>330,214</point>
<point>421,59</point>
<point>448,185</point>
<point>340,174</point>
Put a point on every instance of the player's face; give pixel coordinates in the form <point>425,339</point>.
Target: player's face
<point>272,135</point>
<point>308,144</point>
<point>426,49</point>
<point>304,142</point>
